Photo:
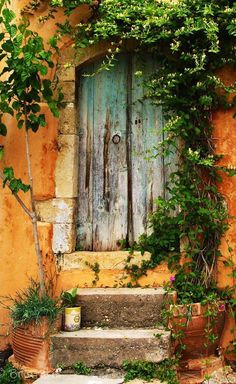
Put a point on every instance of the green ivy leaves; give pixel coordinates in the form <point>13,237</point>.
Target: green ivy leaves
<point>23,85</point>
<point>14,184</point>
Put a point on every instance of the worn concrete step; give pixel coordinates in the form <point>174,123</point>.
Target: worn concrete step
<point>121,307</point>
<point>109,347</point>
<point>76,379</point>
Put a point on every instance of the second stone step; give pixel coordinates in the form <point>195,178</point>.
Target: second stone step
<point>121,307</point>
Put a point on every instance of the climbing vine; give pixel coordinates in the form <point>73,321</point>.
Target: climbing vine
<point>193,41</point>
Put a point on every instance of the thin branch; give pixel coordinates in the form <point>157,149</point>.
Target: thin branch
<point>34,218</point>
<point>17,197</point>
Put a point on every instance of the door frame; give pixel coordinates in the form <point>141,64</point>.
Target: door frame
<point>61,211</point>
<point>63,207</point>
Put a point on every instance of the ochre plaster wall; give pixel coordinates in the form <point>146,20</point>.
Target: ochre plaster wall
<point>18,259</point>
<point>225,143</point>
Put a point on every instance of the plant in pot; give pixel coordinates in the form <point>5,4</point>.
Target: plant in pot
<point>72,312</point>
<point>35,316</point>
<point>196,321</point>
<point>197,316</point>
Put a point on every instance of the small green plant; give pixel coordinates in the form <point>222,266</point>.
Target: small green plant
<point>96,269</point>
<point>81,369</point>
<point>31,305</point>
<point>139,369</point>
<point>207,378</point>
<point>10,375</point>
<point>69,298</point>
<point>145,370</point>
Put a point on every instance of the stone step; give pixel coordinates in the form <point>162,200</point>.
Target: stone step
<point>109,347</point>
<point>76,379</point>
<point>77,268</point>
<point>121,307</point>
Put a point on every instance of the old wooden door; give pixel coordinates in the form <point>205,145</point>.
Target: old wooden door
<point>118,182</point>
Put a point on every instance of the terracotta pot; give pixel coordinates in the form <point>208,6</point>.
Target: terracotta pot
<point>31,344</point>
<point>194,329</point>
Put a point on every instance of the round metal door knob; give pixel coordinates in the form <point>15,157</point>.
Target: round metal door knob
<point>116,139</point>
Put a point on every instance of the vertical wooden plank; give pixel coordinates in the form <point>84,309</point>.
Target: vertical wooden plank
<point>85,180</point>
<point>110,162</point>
<point>170,165</point>
<point>147,173</point>
<point>130,223</point>
<point>156,174</point>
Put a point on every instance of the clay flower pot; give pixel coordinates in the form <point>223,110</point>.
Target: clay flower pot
<point>194,328</point>
<point>31,344</point>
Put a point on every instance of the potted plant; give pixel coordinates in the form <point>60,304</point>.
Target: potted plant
<point>196,318</point>
<point>72,312</point>
<point>35,316</point>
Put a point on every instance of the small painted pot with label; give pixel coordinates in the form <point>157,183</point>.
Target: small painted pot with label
<point>72,319</point>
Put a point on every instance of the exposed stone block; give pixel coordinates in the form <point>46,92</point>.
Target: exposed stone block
<point>68,89</point>
<point>66,72</point>
<point>64,238</point>
<point>107,260</point>
<point>57,210</point>
<point>67,120</point>
<point>66,173</point>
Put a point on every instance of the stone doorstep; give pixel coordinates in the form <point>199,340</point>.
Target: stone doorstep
<point>76,379</point>
<point>97,377</point>
<point>121,291</point>
<point>109,347</point>
<point>107,260</point>
<point>121,307</point>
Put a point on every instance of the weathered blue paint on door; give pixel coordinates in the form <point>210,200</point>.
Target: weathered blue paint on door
<point>118,184</point>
